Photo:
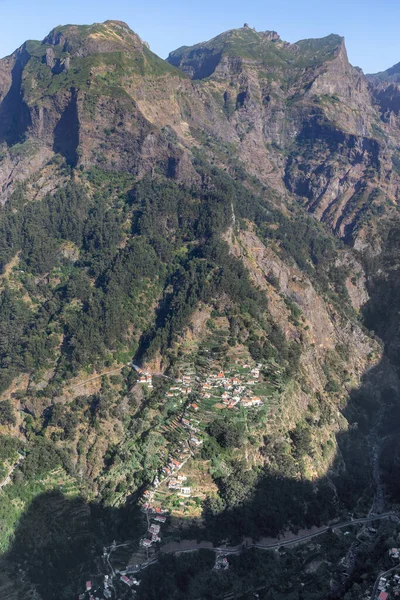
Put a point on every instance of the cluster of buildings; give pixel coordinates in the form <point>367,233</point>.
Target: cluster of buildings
<point>176,461</point>
<point>104,591</point>
<point>129,581</point>
<point>177,457</point>
<point>191,425</point>
<point>88,592</point>
<point>221,563</point>
<point>169,473</point>
<point>183,386</point>
<point>176,484</point>
<point>145,377</point>
<point>389,586</point>
<point>230,389</point>
<point>236,388</point>
<point>153,535</point>
<point>251,402</point>
<point>195,441</point>
<point>158,513</point>
<point>157,519</point>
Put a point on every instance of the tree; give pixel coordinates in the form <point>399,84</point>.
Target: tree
<point>227,433</point>
<point>7,415</point>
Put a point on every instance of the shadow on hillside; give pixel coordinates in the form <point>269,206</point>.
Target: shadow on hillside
<point>59,541</point>
<point>349,486</point>
<point>368,452</point>
<point>59,544</point>
<point>66,132</point>
<point>15,117</point>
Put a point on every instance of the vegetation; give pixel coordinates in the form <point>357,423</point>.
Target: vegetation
<point>270,574</point>
<point>96,319</point>
<point>117,270</point>
<point>248,44</point>
<point>123,56</point>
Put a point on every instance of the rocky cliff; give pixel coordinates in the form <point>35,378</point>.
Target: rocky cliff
<point>298,116</point>
<point>234,205</point>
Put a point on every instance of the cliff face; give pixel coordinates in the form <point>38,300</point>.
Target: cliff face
<point>69,94</point>
<point>234,139</point>
<point>312,129</point>
<point>233,209</point>
<point>331,131</point>
<point>296,120</point>
<point>298,116</point>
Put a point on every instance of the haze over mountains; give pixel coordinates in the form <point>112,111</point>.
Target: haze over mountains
<point>232,210</point>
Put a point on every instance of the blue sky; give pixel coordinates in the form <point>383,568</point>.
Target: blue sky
<point>370,27</point>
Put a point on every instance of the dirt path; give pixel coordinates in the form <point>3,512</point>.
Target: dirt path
<point>7,479</point>
<point>73,387</point>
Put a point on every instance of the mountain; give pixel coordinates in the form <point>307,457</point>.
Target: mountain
<point>303,92</point>
<point>233,49</point>
<point>391,74</point>
<point>198,265</point>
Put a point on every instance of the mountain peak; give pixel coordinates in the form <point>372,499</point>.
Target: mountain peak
<point>81,40</point>
<point>116,23</point>
<point>391,75</point>
<point>251,46</point>
<point>99,58</point>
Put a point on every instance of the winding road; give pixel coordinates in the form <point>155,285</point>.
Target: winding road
<point>296,540</point>
<point>193,546</point>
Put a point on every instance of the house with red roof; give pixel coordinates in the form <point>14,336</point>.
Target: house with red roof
<point>160,519</point>
<point>126,580</point>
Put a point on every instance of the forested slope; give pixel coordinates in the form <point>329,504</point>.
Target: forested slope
<point>232,212</point>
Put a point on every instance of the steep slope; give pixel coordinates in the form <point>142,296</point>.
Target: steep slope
<point>261,99</point>
<point>385,91</point>
<point>326,138</point>
<point>53,91</point>
<point>155,220</point>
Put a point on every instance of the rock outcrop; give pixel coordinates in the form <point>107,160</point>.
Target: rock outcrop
<point>301,118</point>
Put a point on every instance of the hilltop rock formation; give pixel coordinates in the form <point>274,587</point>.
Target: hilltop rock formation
<point>235,204</point>
<point>300,117</point>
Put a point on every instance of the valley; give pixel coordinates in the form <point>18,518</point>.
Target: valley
<point>199,325</point>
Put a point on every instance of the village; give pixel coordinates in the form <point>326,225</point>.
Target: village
<point>215,391</point>
<point>197,398</point>
<point>388,584</point>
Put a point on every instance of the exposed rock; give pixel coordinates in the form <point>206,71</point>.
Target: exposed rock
<point>271,36</point>
<point>296,123</point>
<point>55,38</point>
<point>301,117</point>
<point>50,58</point>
